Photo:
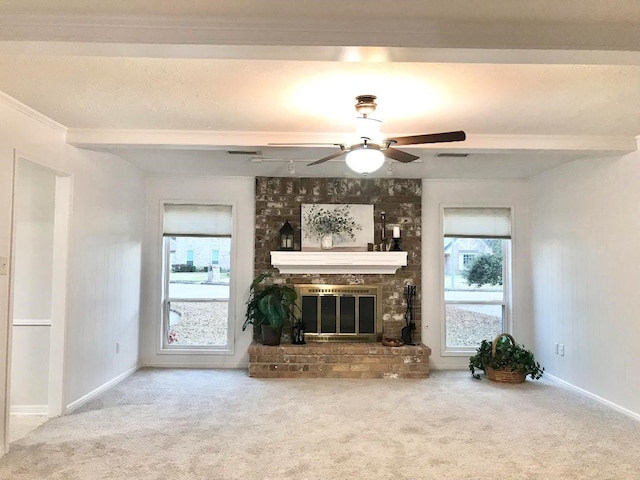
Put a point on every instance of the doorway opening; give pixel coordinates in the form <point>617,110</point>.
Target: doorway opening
<point>38,291</point>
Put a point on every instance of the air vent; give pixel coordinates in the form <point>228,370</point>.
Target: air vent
<point>245,152</point>
<point>453,155</point>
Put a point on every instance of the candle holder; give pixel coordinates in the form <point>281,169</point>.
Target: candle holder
<point>286,236</point>
<point>395,246</point>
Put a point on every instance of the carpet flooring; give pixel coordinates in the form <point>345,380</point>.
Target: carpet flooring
<point>22,425</point>
<point>212,424</point>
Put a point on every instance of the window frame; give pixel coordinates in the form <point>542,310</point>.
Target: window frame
<point>507,281</point>
<point>162,345</point>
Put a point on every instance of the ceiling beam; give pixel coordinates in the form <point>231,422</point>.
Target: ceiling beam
<point>303,30</point>
<point>204,139</point>
<point>323,54</point>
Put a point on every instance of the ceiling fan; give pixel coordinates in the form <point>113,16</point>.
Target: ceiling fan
<point>367,154</point>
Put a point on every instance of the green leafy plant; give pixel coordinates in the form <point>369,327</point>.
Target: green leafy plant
<point>270,304</point>
<point>509,356</point>
<point>321,221</point>
<point>486,269</point>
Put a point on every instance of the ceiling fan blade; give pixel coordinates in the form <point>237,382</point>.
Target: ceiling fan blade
<point>399,155</point>
<point>326,159</point>
<point>457,136</point>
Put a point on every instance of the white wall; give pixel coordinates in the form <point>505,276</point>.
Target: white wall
<point>33,274</point>
<point>30,368</point>
<point>33,256</point>
<point>586,268</point>
<point>480,193</point>
<point>239,191</point>
<point>104,270</point>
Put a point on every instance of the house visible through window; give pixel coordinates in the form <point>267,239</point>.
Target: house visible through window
<point>466,259</point>
<point>197,268</point>
<point>477,245</point>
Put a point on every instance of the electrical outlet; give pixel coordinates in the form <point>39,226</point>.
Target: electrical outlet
<point>117,347</point>
<point>561,349</point>
<point>556,348</point>
<point>3,265</point>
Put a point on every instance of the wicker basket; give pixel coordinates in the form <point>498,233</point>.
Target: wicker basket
<point>506,376</point>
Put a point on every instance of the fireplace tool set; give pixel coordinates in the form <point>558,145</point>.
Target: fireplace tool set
<point>298,333</point>
<point>409,319</point>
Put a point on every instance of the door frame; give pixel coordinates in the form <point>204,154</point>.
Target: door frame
<point>60,282</point>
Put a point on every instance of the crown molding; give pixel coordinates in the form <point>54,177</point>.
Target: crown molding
<point>30,112</point>
<point>311,31</point>
<point>205,139</point>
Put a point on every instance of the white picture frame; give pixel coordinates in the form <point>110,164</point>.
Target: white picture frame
<point>350,227</point>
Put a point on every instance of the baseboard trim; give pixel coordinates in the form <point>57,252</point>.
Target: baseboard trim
<point>614,406</point>
<point>31,322</point>
<point>29,410</point>
<point>103,388</point>
<point>207,366</point>
<point>445,367</point>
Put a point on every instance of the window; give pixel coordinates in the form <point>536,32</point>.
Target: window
<point>196,296</point>
<point>477,246</point>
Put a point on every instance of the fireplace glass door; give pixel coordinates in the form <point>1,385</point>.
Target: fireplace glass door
<point>339,312</point>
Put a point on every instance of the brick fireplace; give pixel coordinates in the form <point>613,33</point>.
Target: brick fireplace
<point>279,199</point>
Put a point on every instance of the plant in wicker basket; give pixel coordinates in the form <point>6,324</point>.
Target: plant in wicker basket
<point>503,360</point>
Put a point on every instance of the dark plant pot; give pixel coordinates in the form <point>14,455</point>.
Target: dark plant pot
<point>271,335</point>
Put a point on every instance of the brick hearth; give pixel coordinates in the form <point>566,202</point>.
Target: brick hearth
<point>338,360</point>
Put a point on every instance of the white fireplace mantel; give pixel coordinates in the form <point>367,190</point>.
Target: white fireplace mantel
<point>329,262</point>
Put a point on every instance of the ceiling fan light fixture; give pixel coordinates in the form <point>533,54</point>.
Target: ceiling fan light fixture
<point>365,160</point>
<point>365,154</point>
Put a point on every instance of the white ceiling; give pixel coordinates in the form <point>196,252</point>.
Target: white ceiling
<point>173,86</point>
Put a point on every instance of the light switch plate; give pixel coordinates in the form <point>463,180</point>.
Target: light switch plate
<point>3,265</point>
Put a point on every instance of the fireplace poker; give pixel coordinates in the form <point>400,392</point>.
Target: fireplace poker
<point>410,324</point>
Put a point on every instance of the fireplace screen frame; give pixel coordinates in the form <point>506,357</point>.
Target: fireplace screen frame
<point>357,291</point>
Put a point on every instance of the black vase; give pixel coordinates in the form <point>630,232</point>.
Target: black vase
<point>271,335</point>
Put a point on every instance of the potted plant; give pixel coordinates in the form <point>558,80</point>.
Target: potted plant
<point>268,307</point>
<point>503,360</point>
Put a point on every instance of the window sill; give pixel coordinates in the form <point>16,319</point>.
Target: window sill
<point>195,351</point>
<point>458,353</point>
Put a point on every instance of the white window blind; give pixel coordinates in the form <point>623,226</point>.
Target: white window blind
<point>197,220</point>
<point>477,222</point>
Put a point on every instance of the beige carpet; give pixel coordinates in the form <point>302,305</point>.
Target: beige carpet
<point>204,424</point>
<point>22,425</point>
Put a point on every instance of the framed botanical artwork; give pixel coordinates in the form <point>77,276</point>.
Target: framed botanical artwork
<point>341,227</point>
